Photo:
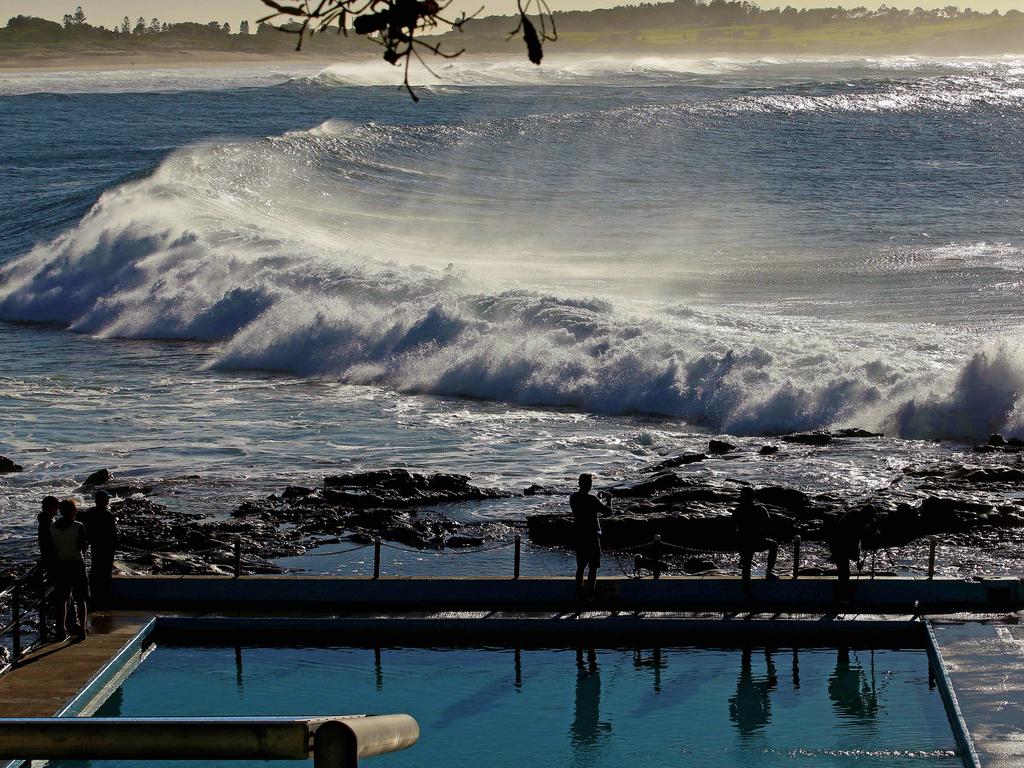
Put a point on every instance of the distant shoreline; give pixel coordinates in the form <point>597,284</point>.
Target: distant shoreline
<point>110,61</point>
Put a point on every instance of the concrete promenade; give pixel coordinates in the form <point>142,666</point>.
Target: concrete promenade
<point>985,664</point>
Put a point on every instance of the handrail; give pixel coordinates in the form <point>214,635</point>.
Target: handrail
<point>334,742</point>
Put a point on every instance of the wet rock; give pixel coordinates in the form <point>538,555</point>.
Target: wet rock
<point>780,496</point>
<point>674,461</point>
<point>985,448</point>
<point>8,466</point>
<point>768,450</point>
<point>808,438</point>
<point>647,486</point>
<point>996,439</point>
<point>99,477</point>
<point>297,492</point>
<point>538,490</point>
<point>124,490</point>
<point>693,565</point>
<point>719,447</point>
<point>856,433</point>
<point>994,475</point>
<point>399,487</point>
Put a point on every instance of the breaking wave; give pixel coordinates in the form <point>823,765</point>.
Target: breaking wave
<point>298,254</point>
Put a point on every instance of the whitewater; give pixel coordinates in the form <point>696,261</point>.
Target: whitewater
<point>259,276</point>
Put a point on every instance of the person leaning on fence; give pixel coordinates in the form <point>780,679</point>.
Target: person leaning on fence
<point>753,533</point>
<point>101,527</point>
<point>71,584</point>
<point>586,513</point>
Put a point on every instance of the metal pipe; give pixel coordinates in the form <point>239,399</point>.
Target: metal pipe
<point>796,557</point>
<point>519,549</point>
<point>337,742</point>
<point>376,558</point>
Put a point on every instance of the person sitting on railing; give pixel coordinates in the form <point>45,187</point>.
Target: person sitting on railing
<point>47,555</point>
<point>586,512</point>
<point>753,533</point>
<point>72,586</point>
<point>101,526</point>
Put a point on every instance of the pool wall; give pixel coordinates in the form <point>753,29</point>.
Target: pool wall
<point>883,595</point>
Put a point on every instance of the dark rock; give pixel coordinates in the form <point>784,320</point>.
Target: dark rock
<point>768,450</point>
<point>780,496</point>
<point>8,466</point>
<point>297,492</point>
<point>984,449</point>
<point>809,438</point>
<point>697,565</point>
<point>647,486</point>
<point>124,490</point>
<point>675,461</point>
<point>718,447</point>
<point>538,490</point>
<point>994,475</point>
<point>996,439</point>
<point>1015,442</point>
<point>401,488</point>
<point>99,477</point>
<point>855,432</point>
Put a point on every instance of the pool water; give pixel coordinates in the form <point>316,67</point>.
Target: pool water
<point>647,708</point>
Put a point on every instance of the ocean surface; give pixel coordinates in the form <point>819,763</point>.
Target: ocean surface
<point>262,275</point>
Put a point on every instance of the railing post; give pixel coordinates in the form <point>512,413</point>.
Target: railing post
<point>238,556</point>
<point>16,618</point>
<point>931,558</point>
<point>44,632</point>
<point>376,558</point>
<point>656,549</point>
<point>519,549</point>
<point>796,557</point>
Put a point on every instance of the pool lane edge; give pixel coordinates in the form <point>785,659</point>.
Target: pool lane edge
<point>968,753</point>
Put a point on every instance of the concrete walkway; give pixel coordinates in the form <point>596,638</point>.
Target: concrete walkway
<point>985,663</point>
<point>48,678</point>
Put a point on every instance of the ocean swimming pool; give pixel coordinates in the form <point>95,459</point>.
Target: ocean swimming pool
<point>647,707</point>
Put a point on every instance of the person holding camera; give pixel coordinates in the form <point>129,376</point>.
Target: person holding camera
<point>586,513</point>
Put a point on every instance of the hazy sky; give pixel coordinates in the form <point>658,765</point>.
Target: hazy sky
<point>109,12</point>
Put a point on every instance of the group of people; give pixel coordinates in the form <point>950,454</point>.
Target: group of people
<point>64,536</point>
<point>754,533</point>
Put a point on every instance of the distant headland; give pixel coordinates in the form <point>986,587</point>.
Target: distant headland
<point>678,28</point>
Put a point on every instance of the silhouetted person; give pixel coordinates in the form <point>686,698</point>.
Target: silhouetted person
<point>849,689</point>
<point>47,555</point>
<point>847,542</point>
<point>751,708</point>
<point>753,534</point>
<point>586,514</point>
<point>101,526</point>
<point>71,583</point>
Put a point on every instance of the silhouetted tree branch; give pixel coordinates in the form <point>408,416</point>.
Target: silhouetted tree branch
<point>396,25</point>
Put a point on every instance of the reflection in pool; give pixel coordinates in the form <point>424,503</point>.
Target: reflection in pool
<point>590,707</point>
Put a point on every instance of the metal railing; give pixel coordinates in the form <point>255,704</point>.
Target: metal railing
<point>332,742</point>
<point>29,596</point>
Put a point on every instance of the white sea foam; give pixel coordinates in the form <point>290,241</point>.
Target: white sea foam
<point>284,253</point>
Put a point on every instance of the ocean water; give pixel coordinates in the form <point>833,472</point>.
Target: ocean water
<point>259,276</point>
<point>558,707</point>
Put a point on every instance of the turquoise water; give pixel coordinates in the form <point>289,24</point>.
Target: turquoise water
<point>607,707</point>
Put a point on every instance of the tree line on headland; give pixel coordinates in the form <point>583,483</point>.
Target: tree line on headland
<point>677,27</point>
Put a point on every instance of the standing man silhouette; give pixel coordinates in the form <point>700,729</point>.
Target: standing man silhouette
<point>586,514</point>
